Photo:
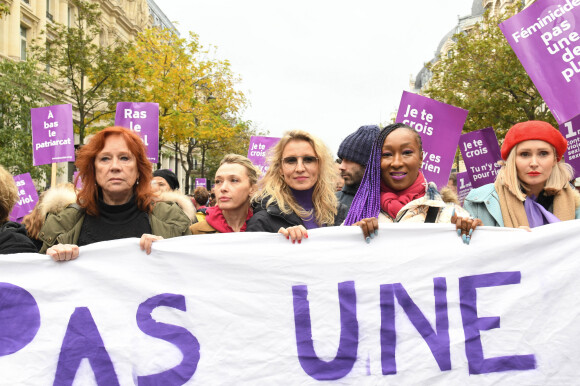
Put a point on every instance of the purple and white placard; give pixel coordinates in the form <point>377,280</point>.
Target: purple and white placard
<point>463,186</point>
<point>143,119</point>
<point>571,131</point>
<point>52,134</point>
<point>545,38</point>
<point>440,126</point>
<point>201,182</point>
<point>481,154</point>
<point>27,196</point>
<point>258,151</point>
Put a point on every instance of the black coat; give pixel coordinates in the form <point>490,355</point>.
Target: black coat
<point>14,239</point>
<point>271,219</point>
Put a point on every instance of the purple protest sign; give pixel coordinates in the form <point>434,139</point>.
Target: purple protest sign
<point>463,186</point>
<point>571,131</point>
<point>258,151</point>
<point>201,182</point>
<point>27,196</point>
<point>541,37</point>
<point>143,119</point>
<point>52,134</point>
<point>481,153</point>
<point>440,126</point>
<point>77,181</point>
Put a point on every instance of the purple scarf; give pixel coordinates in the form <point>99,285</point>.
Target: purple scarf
<point>537,214</point>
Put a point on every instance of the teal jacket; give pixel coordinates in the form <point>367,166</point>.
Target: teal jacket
<point>483,203</point>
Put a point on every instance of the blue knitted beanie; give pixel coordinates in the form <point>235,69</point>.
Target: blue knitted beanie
<point>357,146</point>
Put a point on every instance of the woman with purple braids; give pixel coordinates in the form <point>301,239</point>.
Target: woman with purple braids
<point>393,188</point>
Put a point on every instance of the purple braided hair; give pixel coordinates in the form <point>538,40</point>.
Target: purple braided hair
<point>367,201</point>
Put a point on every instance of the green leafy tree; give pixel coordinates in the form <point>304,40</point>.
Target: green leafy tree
<point>86,72</point>
<point>21,88</point>
<point>483,75</point>
<point>199,105</point>
<point>4,10</point>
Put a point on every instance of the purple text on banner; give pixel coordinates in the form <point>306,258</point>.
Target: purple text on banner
<point>201,182</point>
<point>545,38</point>
<point>463,186</point>
<point>27,196</point>
<point>52,134</point>
<point>258,151</point>
<point>571,131</point>
<point>143,119</point>
<point>440,126</point>
<point>481,153</point>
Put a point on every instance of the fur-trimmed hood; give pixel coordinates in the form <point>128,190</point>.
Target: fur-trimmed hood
<point>182,200</point>
<point>56,199</point>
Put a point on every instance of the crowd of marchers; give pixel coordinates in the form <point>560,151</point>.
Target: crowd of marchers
<point>381,181</point>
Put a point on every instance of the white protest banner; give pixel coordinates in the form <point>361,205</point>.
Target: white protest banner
<point>415,306</point>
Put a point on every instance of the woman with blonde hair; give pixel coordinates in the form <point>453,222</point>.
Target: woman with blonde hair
<point>532,187</point>
<point>298,190</point>
<point>235,183</point>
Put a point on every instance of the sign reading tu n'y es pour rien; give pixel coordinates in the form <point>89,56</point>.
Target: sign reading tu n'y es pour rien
<point>440,126</point>
<point>545,37</point>
<point>143,119</point>
<point>571,131</point>
<point>27,196</point>
<point>481,153</point>
<point>52,134</point>
<point>258,151</point>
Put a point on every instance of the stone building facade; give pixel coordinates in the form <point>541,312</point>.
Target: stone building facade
<point>121,19</point>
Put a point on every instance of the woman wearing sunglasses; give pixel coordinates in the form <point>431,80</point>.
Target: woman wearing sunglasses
<point>298,190</point>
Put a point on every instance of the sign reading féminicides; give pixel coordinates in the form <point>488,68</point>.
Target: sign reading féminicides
<point>143,119</point>
<point>258,151</point>
<point>545,37</point>
<point>571,131</point>
<point>52,134</point>
<point>440,126</point>
<point>27,196</point>
<point>481,154</point>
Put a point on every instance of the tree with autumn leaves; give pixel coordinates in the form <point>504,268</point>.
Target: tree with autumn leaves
<point>198,102</point>
<point>483,75</point>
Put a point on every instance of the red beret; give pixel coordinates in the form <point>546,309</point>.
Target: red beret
<point>531,130</point>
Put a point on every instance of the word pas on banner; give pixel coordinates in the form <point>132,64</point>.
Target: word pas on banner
<point>332,308</point>
<point>545,38</point>
<point>440,126</point>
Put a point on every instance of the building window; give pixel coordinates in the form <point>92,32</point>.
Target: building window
<point>23,42</point>
<point>69,16</point>
<point>26,1</point>
<point>48,14</point>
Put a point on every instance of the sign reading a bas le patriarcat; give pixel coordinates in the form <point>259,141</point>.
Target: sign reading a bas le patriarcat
<point>52,134</point>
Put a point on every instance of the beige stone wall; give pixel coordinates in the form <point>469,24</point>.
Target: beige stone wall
<point>121,18</point>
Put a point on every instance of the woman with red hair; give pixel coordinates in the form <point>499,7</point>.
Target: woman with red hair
<point>115,202</point>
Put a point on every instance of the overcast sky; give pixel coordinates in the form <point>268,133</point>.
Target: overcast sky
<point>324,66</point>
